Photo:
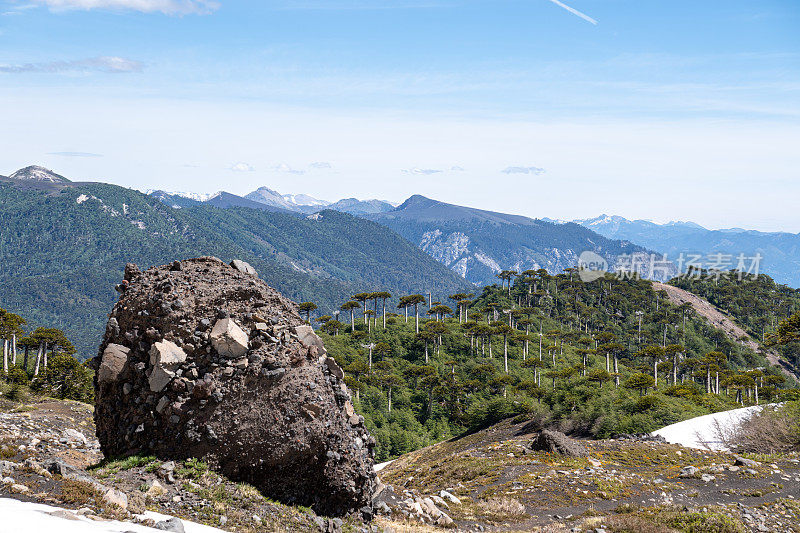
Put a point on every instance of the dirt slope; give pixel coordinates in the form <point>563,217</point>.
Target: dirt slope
<point>722,321</point>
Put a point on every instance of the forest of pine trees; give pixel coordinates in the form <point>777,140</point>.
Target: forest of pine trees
<point>602,358</point>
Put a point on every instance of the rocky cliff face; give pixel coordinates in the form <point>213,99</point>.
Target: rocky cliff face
<point>202,359</point>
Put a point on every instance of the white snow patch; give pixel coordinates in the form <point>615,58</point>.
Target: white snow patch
<point>702,432</point>
<point>29,517</point>
<point>380,466</point>
<point>80,199</point>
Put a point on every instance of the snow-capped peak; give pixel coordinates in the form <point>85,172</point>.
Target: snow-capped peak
<point>304,199</point>
<point>37,173</point>
<point>196,196</point>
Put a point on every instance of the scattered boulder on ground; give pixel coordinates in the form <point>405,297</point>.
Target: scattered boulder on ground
<point>202,359</point>
<point>557,442</point>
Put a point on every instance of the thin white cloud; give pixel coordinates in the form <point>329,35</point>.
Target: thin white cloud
<point>283,167</point>
<point>456,168</point>
<point>523,170</point>
<point>167,7</point>
<point>242,167</point>
<point>585,17</point>
<point>75,154</point>
<point>108,64</point>
<point>320,164</point>
<point>421,171</point>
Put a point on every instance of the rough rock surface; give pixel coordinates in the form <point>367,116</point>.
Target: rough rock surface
<point>219,366</point>
<point>557,442</point>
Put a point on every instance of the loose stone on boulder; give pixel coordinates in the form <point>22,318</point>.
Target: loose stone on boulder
<point>113,361</point>
<point>232,376</point>
<point>242,266</point>
<point>228,339</point>
<point>167,354</point>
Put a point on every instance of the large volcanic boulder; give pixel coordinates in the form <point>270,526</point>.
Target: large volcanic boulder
<point>202,359</point>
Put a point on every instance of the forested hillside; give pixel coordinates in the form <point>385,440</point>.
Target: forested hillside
<point>757,304</point>
<point>63,248</point>
<point>601,358</point>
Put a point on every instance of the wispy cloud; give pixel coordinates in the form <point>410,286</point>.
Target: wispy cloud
<point>320,164</point>
<point>242,167</point>
<point>585,17</point>
<point>456,168</point>
<point>167,7</point>
<point>283,167</point>
<point>108,64</point>
<point>523,170</point>
<point>75,154</point>
<point>421,171</point>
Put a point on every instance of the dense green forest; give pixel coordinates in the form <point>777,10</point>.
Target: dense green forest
<point>62,252</point>
<point>602,358</point>
<point>757,303</point>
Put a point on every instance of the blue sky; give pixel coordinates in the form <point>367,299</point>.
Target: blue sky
<point>661,110</point>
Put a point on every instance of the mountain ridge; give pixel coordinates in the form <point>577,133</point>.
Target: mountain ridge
<point>779,251</point>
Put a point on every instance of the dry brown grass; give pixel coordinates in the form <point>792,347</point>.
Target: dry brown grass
<point>501,508</point>
<point>634,524</point>
<point>772,430</point>
<point>80,493</point>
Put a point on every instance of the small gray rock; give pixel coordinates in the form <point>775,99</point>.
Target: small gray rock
<point>173,524</point>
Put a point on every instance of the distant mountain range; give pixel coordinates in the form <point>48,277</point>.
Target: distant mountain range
<point>308,256</point>
<point>780,252</point>
<point>478,244</point>
<point>266,198</point>
<point>64,245</point>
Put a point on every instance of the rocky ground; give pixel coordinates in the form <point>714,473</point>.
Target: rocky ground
<point>489,481</point>
<point>49,454</point>
<point>494,481</point>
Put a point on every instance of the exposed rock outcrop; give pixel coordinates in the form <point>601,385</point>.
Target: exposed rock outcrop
<point>202,359</point>
<point>557,442</point>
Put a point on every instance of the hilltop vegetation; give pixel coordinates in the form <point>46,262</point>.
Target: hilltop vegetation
<point>758,304</point>
<point>602,358</point>
<point>63,249</point>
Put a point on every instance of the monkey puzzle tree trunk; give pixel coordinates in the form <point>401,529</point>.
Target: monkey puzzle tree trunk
<point>655,372</point>
<point>616,372</point>
<point>14,349</point>
<point>426,351</point>
<point>38,360</point>
<point>352,320</point>
<point>416,318</point>
<point>675,368</point>
<point>505,356</point>
<point>608,362</point>
<point>384,313</point>
<point>5,356</point>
